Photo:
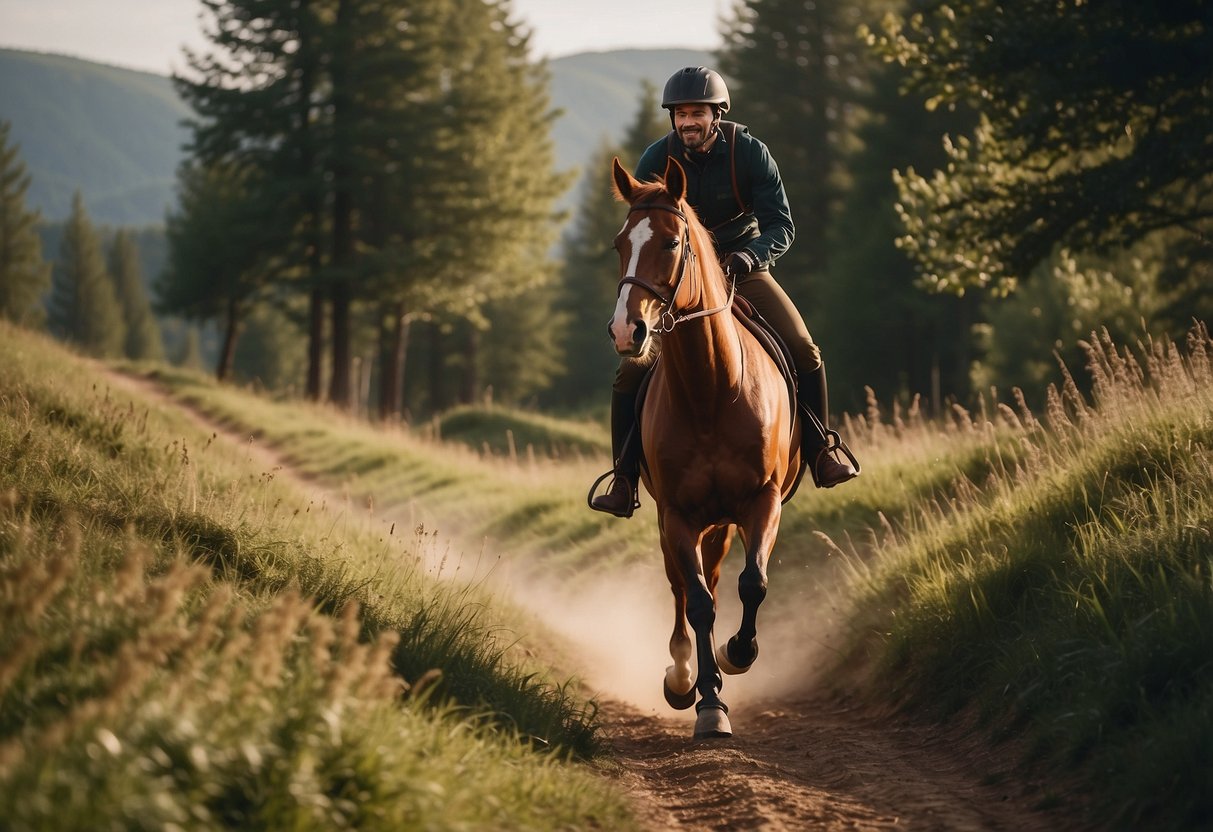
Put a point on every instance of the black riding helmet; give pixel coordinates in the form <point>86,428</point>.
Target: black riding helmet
<point>695,85</point>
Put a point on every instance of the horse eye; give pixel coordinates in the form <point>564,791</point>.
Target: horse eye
<point>672,244</point>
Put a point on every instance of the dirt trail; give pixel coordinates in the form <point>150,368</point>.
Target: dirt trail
<point>805,760</point>
<point>818,763</point>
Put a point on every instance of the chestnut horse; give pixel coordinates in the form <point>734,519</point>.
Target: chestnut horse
<point>720,434</point>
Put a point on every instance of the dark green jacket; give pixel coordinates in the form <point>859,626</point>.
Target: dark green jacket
<point>766,230</point>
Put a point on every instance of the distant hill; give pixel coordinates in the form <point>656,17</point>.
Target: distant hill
<point>116,134</point>
<point>113,133</point>
<point>600,91</point>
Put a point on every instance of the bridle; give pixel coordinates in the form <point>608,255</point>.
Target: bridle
<point>669,319</point>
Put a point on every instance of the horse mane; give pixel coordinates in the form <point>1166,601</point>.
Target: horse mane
<point>701,238</point>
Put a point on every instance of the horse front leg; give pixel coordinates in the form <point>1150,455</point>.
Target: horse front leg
<point>681,546</point>
<point>679,687</point>
<point>758,531</point>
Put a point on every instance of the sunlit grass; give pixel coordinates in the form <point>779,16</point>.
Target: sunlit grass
<point>186,639</point>
<point>1069,597</point>
<point>1049,572</point>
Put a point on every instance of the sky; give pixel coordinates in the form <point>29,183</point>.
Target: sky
<point>149,34</point>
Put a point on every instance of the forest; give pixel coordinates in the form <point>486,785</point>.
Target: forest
<point>369,212</point>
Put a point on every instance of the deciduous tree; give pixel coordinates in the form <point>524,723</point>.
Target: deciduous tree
<point>1094,130</point>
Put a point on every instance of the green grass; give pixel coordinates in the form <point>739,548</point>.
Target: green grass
<point>511,432</point>
<point>1070,598</point>
<point>185,640</point>
<point>1049,573</point>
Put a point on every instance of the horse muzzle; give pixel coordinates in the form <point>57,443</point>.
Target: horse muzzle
<point>631,338</point>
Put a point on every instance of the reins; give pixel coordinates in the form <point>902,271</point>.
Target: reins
<point>669,319</point>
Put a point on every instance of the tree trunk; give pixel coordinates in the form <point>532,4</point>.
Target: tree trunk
<point>471,369</point>
<point>341,292</point>
<point>315,342</point>
<point>437,369</point>
<point>393,346</point>
<point>339,380</point>
<point>231,334</point>
<point>313,209</point>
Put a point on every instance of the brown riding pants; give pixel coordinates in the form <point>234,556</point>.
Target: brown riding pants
<point>773,304</point>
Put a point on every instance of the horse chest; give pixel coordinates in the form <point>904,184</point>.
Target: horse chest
<point>691,477</point>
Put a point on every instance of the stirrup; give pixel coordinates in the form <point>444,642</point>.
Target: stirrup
<point>833,443</point>
<point>635,503</point>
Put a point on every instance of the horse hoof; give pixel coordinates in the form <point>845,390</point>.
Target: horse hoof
<point>712,723</point>
<point>677,701</point>
<point>731,660</point>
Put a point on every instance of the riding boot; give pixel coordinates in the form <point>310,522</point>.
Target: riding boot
<point>819,444</point>
<point>621,499</point>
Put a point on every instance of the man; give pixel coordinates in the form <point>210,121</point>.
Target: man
<point>734,186</point>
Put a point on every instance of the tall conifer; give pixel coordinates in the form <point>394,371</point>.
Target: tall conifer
<point>791,65</point>
<point>84,308</point>
<point>590,274</point>
<point>216,257</point>
<point>24,275</point>
<point>143,340</point>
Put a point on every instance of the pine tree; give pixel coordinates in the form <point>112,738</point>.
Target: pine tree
<point>216,259</point>
<point>913,341</point>
<point>261,94</point>
<point>791,66</point>
<point>590,274</point>
<point>24,275</point>
<point>84,308</point>
<point>507,182</point>
<point>386,135</point>
<point>143,340</point>
<point>457,209</point>
<point>648,125</point>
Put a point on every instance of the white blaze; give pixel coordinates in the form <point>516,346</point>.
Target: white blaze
<point>640,234</point>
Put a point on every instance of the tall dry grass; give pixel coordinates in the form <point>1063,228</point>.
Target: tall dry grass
<point>1067,596</point>
<point>188,642</point>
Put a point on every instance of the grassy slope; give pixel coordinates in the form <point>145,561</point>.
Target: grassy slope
<point>1068,598</point>
<point>183,640</point>
<point>1054,577</point>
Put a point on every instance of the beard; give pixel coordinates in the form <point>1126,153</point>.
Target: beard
<point>692,137</point>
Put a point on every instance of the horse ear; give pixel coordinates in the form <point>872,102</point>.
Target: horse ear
<point>675,179</point>
<point>625,184</point>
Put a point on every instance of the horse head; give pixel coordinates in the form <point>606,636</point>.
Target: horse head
<point>654,248</point>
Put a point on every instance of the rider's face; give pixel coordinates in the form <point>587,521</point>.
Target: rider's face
<point>694,124</point>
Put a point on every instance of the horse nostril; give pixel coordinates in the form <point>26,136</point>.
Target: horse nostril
<point>640,333</point>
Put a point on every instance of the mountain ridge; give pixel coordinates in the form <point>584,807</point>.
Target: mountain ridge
<point>116,134</point>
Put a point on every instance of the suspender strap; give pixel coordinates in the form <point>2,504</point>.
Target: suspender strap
<point>732,139</point>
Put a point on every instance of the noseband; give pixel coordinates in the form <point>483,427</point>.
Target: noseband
<point>668,319</point>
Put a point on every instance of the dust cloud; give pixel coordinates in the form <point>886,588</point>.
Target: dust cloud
<point>619,625</point>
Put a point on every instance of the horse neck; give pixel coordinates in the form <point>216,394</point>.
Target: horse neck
<point>705,353</point>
